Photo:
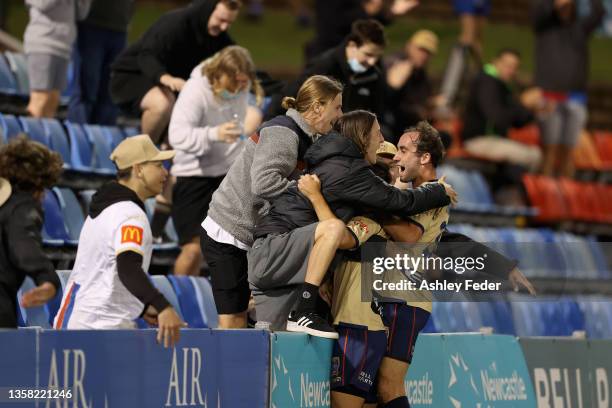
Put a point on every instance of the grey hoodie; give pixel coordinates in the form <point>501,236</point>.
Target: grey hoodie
<point>261,172</point>
<point>52,26</point>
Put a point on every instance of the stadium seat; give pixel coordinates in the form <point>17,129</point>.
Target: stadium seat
<point>40,316</point>
<point>102,148</point>
<point>206,301</point>
<point>529,135</point>
<point>54,229</point>
<point>58,140</point>
<point>597,312</point>
<point>9,127</point>
<point>131,131</point>
<point>163,285</point>
<point>81,152</point>
<point>8,84</point>
<point>34,128</point>
<point>114,135</point>
<point>169,229</point>
<point>544,194</point>
<point>187,294</point>
<point>603,143</point>
<point>19,67</point>
<point>71,211</point>
<point>64,275</point>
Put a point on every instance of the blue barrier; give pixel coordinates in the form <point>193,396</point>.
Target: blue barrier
<point>18,362</point>
<point>469,370</point>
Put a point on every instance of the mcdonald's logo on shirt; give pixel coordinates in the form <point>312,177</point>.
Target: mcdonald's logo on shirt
<point>131,233</point>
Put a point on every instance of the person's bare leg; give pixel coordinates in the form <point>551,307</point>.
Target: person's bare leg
<point>156,108</point>
<point>480,25</point>
<point>468,29</point>
<point>549,160</point>
<point>391,374</point>
<point>566,161</point>
<point>52,104</point>
<point>190,259</point>
<point>233,321</point>
<point>37,103</point>
<point>163,208</point>
<point>330,235</point>
<point>342,400</point>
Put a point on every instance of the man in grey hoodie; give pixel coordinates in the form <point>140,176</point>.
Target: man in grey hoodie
<point>48,41</point>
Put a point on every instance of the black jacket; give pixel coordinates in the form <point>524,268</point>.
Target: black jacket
<point>174,44</point>
<point>562,49</point>
<point>361,91</point>
<point>491,109</point>
<point>21,252</point>
<point>349,187</point>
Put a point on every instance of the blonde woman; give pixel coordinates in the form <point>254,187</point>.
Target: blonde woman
<point>271,158</point>
<point>206,130</point>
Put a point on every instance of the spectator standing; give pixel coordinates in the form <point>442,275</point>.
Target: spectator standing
<point>100,39</point>
<point>206,130</point>
<point>355,64</point>
<point>410,90</point>
<point>146,76</point>
<point>26,169</point>
<point>271,158</point>
<point>562,67</point>
<point>48,41</point>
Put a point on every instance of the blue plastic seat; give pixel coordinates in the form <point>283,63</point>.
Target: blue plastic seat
<point>186,291</point>
<point>71,211</point>
<point>40,316</point>
<point>165,288</point>
<point>54,228</point>
<point>8,84</point>
<point>64,275</point>
<point>131,131</point>
<point>597,312</point>
<point>206,300</point>
<point>101,149</point>
<point>114,135</point>
<point>34,128</point>
<point>9,127</point>
<point>81,151</point>
<point>19,66</point>
<point>58,140</point>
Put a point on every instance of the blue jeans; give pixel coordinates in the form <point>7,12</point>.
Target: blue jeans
<point>94,52</point>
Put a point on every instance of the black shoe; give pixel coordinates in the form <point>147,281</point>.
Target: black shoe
<point>311,323</point>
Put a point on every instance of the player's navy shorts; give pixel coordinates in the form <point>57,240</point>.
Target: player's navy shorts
<point>403,323</point>
<point>357,355</point>
<point>473,7</point>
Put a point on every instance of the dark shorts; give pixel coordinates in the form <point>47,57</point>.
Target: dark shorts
<point>404,324</point>
<point>356,358</point>
<point>128,89</point>
<point>472,7</point>
<point>190,200</point>
<point>228,275</point>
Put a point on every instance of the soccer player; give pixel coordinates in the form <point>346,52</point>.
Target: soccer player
<point>109,287</point>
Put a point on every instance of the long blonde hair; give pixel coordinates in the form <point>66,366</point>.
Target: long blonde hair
<point>231,61</point>
<point>317,88</point>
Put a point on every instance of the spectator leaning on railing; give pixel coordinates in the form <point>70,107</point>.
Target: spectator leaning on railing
<point>26,169</point>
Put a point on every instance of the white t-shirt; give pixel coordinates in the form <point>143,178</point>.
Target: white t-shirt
<point>94,297</point>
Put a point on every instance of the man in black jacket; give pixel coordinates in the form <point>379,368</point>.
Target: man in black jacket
<point>148,74</point>
<point>492,110</point>
<point>355,64</point>
<point>26,169</point>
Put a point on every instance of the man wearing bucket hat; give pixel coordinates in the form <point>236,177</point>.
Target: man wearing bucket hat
<point>108,287</point>
<point>26,169</point>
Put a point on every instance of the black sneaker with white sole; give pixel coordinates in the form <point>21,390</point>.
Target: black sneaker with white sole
<point>311,323</point>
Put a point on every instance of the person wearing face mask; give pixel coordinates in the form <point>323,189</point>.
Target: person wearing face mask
<point>207,135</point>
<point>355,63</point>
<point>147,75</point>
<point>270,159</point>
<point>292,251</point>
